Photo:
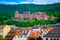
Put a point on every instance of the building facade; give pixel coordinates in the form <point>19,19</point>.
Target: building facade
<point>53,34</point>
<point>4,29</point>
<point>26,15</point>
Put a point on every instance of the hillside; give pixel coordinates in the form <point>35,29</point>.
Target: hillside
<point>29,7</point>
<point>8,10</point>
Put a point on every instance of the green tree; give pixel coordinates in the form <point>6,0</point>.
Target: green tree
<point>1,22</point>
<point>39,38</point>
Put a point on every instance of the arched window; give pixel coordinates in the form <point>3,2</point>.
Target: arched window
<point>54,39</point>
<point>57,39</point>
<point>51,39</point>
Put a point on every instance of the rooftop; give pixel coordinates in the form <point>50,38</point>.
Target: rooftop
<point>34,34</point>
<point>55,33</point>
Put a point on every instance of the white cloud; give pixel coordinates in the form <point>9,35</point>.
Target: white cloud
<point>35,2</point>
<point>32,2</point>
<point>8,3</point>
<point>27,3</point>
<point>24,2</point>
<point>40,2</point>
<point>45,1</point>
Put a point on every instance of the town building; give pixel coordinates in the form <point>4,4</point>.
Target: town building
<point>11,33</point>
<point>22,34</point>
<point>53,34</point>
<point>44,30</point>
<point>34,35</point>
<point>4,30</point>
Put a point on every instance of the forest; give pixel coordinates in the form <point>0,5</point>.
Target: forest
<point>8,11</point>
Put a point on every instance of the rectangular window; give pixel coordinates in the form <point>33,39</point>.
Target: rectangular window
<point>46,38</point>
<point>18,36</point>
<point>21,36</point>
<point>24,35</point>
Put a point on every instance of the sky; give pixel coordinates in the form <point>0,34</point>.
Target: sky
<point>29,1</point>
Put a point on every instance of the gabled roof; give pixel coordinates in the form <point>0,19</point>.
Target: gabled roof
<point>47,27</point>
<point>11,34</point>
<point>53,33</point>
<point>34,34</point>
<point>2,26</point>
<point>21,31</point>
<point>35,27</point>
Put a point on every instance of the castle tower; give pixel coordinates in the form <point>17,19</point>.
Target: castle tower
<point>26,14</point>
<point>16,14</point>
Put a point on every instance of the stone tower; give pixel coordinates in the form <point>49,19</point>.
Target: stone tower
<point>16,14</point>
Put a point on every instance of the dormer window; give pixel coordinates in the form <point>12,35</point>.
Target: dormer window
<point>52,33</point>
<point>26,31</point>
<point>21,36</point>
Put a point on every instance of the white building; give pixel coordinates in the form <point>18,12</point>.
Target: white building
<point>20,37</point>
<point>4,29</point>
<point>22,34</point>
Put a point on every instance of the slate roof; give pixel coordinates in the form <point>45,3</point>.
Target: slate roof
<point>55,33</point>
<point>53,25</point>
<point>35,27</point>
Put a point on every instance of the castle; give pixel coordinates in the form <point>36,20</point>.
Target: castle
<point>26,15</point>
